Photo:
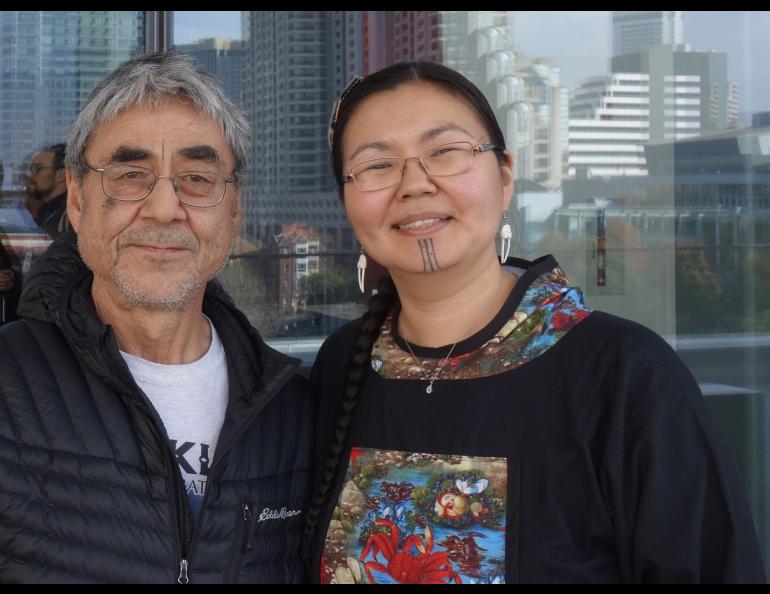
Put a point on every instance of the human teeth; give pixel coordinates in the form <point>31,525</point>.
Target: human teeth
<point>418,224</point>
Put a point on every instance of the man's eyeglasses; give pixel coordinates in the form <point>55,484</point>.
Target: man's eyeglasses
<point>452,158</point>
<point>131,183</point>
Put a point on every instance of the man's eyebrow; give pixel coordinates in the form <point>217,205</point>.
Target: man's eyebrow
<point>201,152</point>
<point>125,154</point>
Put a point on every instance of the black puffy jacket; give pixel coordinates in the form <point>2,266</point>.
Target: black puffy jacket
<point>9,299</point>
<point>90,490</point>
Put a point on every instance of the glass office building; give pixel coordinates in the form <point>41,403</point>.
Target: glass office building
<point>49,62</point>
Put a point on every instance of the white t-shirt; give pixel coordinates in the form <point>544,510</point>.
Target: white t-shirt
<point>191,400</point>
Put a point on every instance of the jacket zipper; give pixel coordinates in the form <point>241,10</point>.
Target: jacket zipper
<point>244,540</point>
<point>248,515</point>
<point>181,512</point>
<point>220,452</point>
<point>180,516</point>
<point>183,579</point>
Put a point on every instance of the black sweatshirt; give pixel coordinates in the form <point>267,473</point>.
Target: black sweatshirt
<point>575,448</point>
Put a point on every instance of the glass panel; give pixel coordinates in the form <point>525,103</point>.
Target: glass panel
<point>294,268</point>
<point>641,144</point>
<point>660,209</point>
<point>49,62</point>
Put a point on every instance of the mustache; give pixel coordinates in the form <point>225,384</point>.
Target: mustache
<point>160,237</point>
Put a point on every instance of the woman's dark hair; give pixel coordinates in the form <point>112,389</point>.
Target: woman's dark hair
<point>396,75</point>
<point>380,304</point>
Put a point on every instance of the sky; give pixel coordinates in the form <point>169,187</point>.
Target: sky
<point>579,42</point>
<point>190,26</point>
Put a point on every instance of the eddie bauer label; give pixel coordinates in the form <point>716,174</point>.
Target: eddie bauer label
<point>274,514</point>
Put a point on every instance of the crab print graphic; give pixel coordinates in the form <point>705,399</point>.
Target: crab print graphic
<point>418,518</point>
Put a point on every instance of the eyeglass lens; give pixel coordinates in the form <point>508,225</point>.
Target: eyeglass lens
<point>446,159</point>
<point>196,188</point>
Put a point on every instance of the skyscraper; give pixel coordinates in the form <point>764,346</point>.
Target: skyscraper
<point>689,90</point>
<point>530,105</point>
<point>525,92</point>
<point>400,36</point>
<point>636,30</point>
<point>609,125</point>
<point>222,57</point>
<point>297,62</point>
<point>455,38</point>
<point>467,35</point>
<point>665,92</point>
<point>49,62</point>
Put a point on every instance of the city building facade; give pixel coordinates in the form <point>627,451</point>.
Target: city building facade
<point>296,63</point>
<point>636,30</point>
<point>224,58</point>
<point>49,62</point>
<point>665,92</point>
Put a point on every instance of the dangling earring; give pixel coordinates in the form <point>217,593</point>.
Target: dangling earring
<point>505,239</point>
<point>361,266</point>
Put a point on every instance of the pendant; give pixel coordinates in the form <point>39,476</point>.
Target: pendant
<point>429,389</point>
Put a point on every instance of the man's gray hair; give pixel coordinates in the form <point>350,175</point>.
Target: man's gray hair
<point>150,79</point>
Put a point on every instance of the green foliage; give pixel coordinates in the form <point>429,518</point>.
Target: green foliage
<point>751,294</point>
<point>727,292</point>
<point>246,282</point>
<point>699,294</point>
<point>330,286</point>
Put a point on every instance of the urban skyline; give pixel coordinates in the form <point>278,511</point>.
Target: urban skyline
<point>580,43</point>
<point>515,82</point>
<point>637,30</point>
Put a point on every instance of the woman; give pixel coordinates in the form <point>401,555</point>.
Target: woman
<point>481,423</point>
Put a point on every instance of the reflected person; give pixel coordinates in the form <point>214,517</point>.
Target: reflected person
<point>46,190</point>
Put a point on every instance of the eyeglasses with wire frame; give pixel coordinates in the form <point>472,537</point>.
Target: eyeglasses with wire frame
<point>442,160</point>
<point>132,183</point>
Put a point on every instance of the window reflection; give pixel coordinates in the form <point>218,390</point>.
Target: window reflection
<point>50,62</point>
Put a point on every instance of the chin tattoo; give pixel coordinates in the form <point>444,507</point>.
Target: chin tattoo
<point>429,261</point>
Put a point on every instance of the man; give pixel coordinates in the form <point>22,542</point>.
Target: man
<point>47,190</point>
<point>147,433</point>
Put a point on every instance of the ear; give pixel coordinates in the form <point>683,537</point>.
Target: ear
<point>60,176</point>
<point>507,179</point>
<point>74,200</point>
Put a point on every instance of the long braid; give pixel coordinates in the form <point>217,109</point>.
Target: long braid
<point>379,306</point>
